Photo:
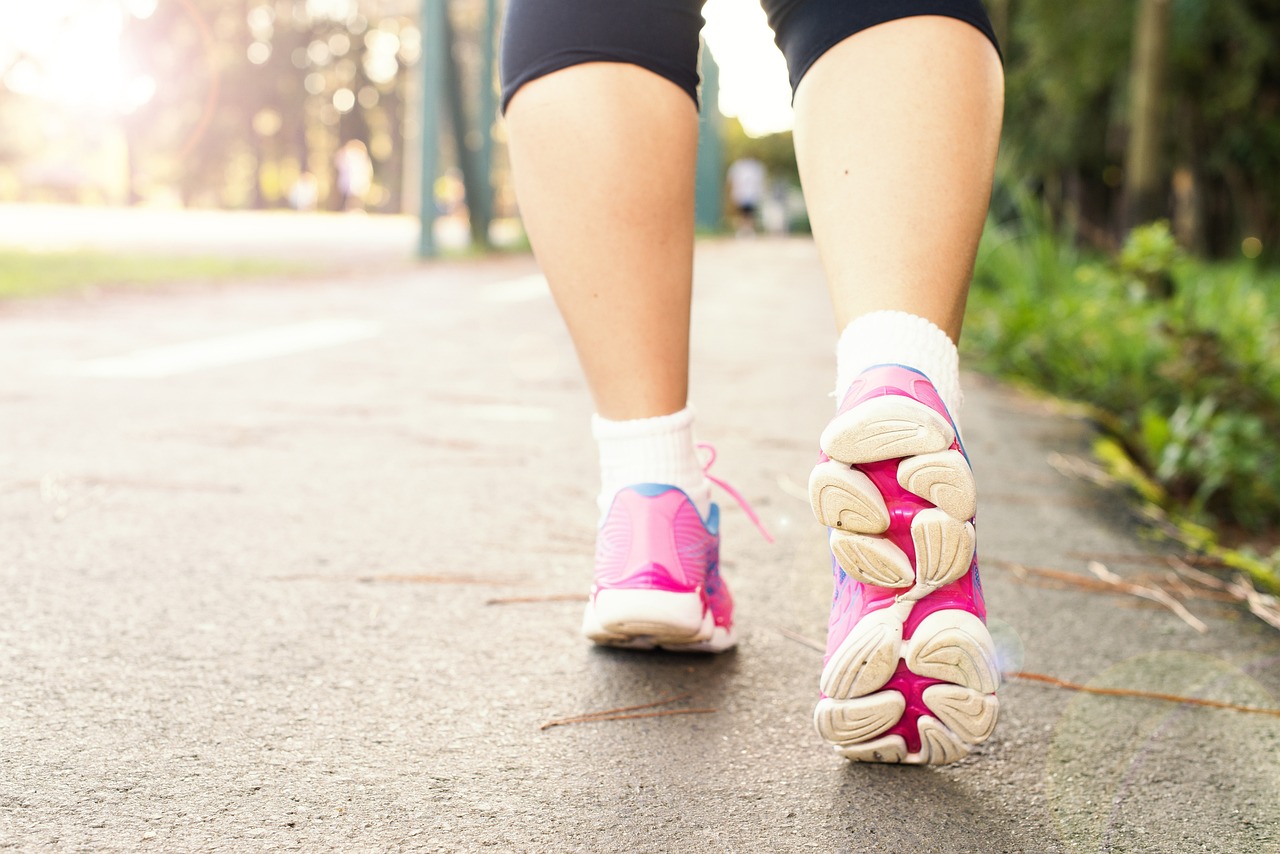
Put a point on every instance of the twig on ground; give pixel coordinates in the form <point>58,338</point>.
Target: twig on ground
<point>1041,498</point>
<point>435,579</point>
<point>1186,570</point>
<point>1141,695</point>
<point>1122,557</point>
<point>661,714</point>
<point>554,597</point>
<point>797,637</point>
<point>1081,468</point>
<point>1183,590</point>
<point>1068,579</point>
<point>625,713</point>
<point>1176,584</point>
<point>1264,606</point>
<point>403,579</point>
<point>1155,594</point>
<point>1107,582</point>
<point>593,715</point>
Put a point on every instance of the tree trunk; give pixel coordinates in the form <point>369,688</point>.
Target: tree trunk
<point>1144,195</point>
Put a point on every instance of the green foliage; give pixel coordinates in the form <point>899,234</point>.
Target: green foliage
<point>1065,68</point>
<point>1067,72</point>
<point>1148,257</point>
<point>1188,385</point>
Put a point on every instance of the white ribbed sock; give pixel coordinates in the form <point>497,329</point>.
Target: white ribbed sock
<point>898,338</point>
<point>650,450</point>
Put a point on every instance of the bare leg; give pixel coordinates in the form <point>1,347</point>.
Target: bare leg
<point>603,156</point>
<point>896,136</point>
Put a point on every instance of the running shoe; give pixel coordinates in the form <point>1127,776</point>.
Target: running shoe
<point>657,572</point>
<point>910,670</point>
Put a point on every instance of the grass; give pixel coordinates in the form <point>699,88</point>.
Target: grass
<point>1178,358</point>
<point>32,274</point>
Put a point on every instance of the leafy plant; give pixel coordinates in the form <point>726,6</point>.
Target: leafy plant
<point>1187,384</point>
<point>1148,257</point>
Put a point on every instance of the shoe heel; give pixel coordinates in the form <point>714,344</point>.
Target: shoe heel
<point>885,428</point>
<point>656,616</point>
<point>954,646</point>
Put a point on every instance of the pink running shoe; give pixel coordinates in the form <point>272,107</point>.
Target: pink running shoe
<point>910,671</point>
<point>657,573</point>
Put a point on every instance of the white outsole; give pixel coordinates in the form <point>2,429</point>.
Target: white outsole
<point>942,478</point>
<point>950,645</point>
<point>845,499</point>
<point>885,428</point>
<point>873,560</point>
<point>645,619</point>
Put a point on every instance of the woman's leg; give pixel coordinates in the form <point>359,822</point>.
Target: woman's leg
<point>896,133</point>
<point>602,124</point>
<point>603,157</point>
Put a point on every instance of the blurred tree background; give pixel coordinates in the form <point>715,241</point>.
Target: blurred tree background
<point>1209,96</point>
<point>252,95</point>
<point>235,103</point>
<point>1118,112</point>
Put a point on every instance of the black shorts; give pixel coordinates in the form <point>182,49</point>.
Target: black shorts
<point>542,36</point>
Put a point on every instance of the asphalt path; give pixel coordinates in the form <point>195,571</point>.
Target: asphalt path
<point>251,537</point>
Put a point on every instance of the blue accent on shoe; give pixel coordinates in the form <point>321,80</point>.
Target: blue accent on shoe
<point>651,490</point>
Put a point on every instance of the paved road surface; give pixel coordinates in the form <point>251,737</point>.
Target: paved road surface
<point>248,536</point>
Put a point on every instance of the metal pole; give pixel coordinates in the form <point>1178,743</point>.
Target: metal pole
<point>709,187</point>
<point>483,210</point>
<point>464,143</point>
<point>434,54</point>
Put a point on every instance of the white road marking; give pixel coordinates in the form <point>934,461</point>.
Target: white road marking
<point>522,289</point>
<point>225,350</point>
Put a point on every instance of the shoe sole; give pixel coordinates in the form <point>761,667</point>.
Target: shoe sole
<point>867,681</point>
<point>645,619</point>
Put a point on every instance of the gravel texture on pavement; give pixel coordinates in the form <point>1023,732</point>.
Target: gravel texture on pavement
<point>245,606</point>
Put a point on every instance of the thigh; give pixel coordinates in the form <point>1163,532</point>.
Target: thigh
<point>806,29</point>
<point>542,36</point>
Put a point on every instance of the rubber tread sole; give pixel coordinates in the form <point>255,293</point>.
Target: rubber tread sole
<point>950,645</point>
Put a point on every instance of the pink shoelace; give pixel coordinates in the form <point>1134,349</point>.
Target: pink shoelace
<point>733,493</point>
